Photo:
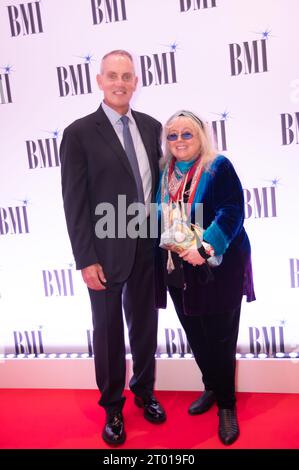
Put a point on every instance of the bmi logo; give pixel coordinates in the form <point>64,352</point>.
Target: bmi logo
<point>89,343</point>
<point>266,340</point>
<point>14,220</point>
<point>219,131</point>
<point>108,11</point>
<point>74,80</point>
<point>158,69</point>
<point>58,282</point>
<point>186,5</point>
<point>43,153</point>
<point>25,19</point>
<point>176,342</point>
<point>260,202</point>
<point>290,128</point>
<point>5,89</point>
<point>294,272</point>
<point>248,57</point>
<point>28,342</point>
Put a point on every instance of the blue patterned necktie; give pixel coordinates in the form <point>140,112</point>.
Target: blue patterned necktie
<point>131,154</point>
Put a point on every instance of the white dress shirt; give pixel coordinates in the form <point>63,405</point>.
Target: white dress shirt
<point>142,158</point>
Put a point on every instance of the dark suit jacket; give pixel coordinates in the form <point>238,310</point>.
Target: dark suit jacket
<point>95,169</point>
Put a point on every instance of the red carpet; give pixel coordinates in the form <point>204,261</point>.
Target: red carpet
<point>71,419</point>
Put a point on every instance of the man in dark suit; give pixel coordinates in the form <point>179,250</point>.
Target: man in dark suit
<point>100,172</point>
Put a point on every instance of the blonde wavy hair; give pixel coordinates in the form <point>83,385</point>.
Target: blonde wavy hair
<point>208,149</point>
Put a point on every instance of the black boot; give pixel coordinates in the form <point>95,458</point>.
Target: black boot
<point>228,426</point>
<point>203,403</point>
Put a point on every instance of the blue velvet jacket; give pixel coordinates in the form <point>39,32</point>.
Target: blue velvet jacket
<point>220,192</point>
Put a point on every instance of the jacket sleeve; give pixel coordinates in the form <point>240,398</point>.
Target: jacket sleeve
<point>75,199</point>
<point>228,203</point>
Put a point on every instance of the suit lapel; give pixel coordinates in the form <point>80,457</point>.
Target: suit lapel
<point>107,132</point>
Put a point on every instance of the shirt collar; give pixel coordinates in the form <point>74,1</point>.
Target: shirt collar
<point>113,115</point>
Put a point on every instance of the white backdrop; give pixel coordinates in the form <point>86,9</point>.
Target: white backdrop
<point>235,62</point>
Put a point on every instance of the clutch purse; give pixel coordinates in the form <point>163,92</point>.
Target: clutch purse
<point>179,235</point>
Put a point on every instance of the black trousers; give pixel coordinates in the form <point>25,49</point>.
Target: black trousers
<point>136,295</point>
<point>213,340</point>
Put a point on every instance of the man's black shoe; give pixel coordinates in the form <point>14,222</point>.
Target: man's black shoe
<point>228,426</point>
<point>114,430</point>
<point>152,409</point>
<point>203,403</point>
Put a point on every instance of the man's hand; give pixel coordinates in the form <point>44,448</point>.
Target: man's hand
<point>94,277</point>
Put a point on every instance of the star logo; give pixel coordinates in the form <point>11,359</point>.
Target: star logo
<point>7,68</point>
<point>55,133</point>
<point>265,34</point>
<point>224,116</point>
<point>274,182</point>
<point>173,47</point>
<point>24,201</point>
<point>87,58</point>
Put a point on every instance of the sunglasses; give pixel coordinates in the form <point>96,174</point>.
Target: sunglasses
<point>184,136</point>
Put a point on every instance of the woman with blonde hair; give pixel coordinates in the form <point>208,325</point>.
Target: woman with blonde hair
<point>204,262</point>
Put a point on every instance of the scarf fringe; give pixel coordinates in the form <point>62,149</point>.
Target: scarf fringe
<point>170,265</point>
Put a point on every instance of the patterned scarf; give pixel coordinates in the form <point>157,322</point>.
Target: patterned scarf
<point>176,176</point>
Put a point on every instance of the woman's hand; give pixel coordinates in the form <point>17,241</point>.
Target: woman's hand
<point>192,256</point>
